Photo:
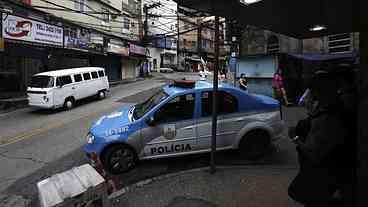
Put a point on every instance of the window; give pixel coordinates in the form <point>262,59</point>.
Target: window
<point>126,24</point>
<point>101,73</point>
<point>226,103</point>
<point>64,80</point>
<point>186,26</point>
<point>77,77</point>
<point>273,44</point>
<point>105,15</point>
<point>180,108</point>
<point>42,81</point>
<point>339,43</point>
<point>94,75</point>
<point>86,76</point>
<point>79,5</point>
<point>142,108</point>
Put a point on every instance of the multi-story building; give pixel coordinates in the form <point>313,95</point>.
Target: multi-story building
<point>161,34</point>
<point>43,35</point>
<point>198,41</point>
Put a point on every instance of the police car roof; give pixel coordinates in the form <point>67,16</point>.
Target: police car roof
<point>173,89</point>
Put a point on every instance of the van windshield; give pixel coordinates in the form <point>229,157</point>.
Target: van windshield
<point>142,108</point>
<point>42,81</point>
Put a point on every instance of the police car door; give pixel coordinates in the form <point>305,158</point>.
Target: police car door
<point>174,125</point>
<point>227,126</point>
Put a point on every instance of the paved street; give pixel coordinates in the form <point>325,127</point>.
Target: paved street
<point>37,143</point>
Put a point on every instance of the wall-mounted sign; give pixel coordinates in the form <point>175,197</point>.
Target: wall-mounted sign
<point>76,38</point>
<point>19,28</point>
<point>136,49</point>
<point>118,49</point>
<point>97,41</point>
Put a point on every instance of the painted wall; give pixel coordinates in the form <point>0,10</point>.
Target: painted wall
<point>96,21</point>
<point>259,72</point>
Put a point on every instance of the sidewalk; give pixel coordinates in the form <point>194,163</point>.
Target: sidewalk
<point>253,186</point>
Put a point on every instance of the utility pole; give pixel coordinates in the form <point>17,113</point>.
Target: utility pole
<point>178,41</point>
<point>145,36</point>
<point>214,98</point>
<point>199,39</point>
<point>146,8</point>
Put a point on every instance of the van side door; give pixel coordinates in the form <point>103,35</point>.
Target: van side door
<point>87,91</point>
<point>78,86</point>
<point>63,90</point>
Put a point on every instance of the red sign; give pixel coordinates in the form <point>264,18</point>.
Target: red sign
<point>23,28</point>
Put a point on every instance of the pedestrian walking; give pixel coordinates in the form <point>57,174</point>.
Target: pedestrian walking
<point>321,142</point>
<point>278,88</point>
<point>243,83</point>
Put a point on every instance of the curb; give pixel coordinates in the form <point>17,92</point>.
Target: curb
<point>145,182</point>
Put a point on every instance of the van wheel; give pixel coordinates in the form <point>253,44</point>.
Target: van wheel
<point>254,144</point>
<point>69,103</point>
<point>101,95</point>
<point>119,159</point>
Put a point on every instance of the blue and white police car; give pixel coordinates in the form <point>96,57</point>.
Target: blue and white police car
<point>177,120</point>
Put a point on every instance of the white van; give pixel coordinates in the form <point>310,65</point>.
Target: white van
<point>61,88</point>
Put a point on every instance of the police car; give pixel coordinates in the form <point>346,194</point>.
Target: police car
<point>177,120</point>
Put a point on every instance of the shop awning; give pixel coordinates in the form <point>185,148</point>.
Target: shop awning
<point>325,57</point>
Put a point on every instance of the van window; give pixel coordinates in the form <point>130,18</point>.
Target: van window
<point>77,77</point>
<point>94,75</point>
<point>65,79</point>
<point>86,76</point>
<point>101,73</point>
<point>42,81</point>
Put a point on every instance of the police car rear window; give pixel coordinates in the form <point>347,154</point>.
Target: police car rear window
<point>227,103</point>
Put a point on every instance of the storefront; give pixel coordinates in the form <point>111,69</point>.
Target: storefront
<point>120,52</point>
<point>28,47</point>
<point>134,64</point>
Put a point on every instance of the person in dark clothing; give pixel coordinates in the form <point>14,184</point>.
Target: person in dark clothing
<point>243,83</point>
<point>321,145</point>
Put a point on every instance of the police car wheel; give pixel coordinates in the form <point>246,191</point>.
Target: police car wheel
<point>119,159</point>
<point>254,144</point>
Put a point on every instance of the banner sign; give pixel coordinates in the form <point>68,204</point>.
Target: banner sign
<point>76,38</point>
<point>137,49</point>
<point>232,64</point>
<point>19,28</point>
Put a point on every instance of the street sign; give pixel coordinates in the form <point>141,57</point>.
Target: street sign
<point>232,64</point>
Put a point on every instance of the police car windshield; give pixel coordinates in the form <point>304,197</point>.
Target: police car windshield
<point>142,108</point>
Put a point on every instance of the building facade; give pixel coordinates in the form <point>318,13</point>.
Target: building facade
<point>42,35</point>
<point>162,25</point>
<point>198,41</point>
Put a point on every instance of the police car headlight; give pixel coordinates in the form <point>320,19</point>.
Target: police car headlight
<point>90,138</point>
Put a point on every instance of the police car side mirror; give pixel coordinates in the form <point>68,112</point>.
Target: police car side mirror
<point>151,121</point>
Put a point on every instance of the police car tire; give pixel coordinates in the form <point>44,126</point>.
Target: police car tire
<point>254,144</point>
<point>108,155</point>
